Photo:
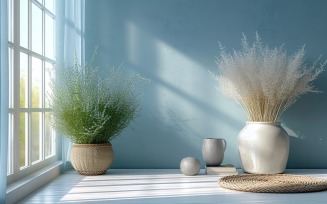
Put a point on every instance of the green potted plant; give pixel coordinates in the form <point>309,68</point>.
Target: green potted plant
<point>265,82</point>
<point>91,108</point>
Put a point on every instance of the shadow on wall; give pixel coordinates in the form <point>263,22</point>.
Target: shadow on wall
<point>179,109</point>
<point>165,42</point>
<point>170,130</point>
<point>308,118</point>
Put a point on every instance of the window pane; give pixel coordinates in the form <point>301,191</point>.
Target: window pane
<point>23,133</point>
<point>47,77</point>
<point>24,23</point>
<point>23,80</point>
<point>11,79</point>
<point>49,37</point>
<point>35,137</point>
<point>10,145</point>
<point>48,135</point>
<point>36,29</point>
<point>36,83</point>
<point>49,4</point>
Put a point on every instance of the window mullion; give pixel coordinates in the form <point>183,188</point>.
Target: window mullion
<point>29,92</point>
<point>16,84</point>
<point>42,115</point>
<point>42,135</point>
<point>29,117</point>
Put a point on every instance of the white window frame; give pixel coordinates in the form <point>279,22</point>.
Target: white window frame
<point>15,172</point>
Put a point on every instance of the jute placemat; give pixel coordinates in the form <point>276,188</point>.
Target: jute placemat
<point>273,183</point>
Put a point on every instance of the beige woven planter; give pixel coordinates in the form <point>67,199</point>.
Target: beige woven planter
<point>92,159</point>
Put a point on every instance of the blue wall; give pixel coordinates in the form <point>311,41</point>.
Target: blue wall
<point>174,43</point>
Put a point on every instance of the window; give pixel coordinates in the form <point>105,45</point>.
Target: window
<point>31,36</point>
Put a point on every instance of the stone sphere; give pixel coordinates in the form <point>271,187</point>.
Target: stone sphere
<point>190,166</point>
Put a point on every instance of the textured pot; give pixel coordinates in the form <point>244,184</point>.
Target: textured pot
<point>263,148</point>
<point>92,159</point>
<point>213,151</point>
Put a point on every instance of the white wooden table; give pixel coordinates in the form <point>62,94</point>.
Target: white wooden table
<point>160,186</point>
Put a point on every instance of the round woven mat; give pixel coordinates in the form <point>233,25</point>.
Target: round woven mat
<point>273,183</point>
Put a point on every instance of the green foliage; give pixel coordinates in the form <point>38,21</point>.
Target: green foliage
<point>89,108</point>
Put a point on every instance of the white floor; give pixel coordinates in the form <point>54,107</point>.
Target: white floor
<point>159,186</point>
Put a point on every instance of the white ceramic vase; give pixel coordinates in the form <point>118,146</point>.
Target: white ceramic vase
<point>263,148</point>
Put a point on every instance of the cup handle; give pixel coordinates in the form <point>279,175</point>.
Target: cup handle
<point>225,144</point>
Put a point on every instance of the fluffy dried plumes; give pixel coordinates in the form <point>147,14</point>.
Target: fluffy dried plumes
<point>265,81</point>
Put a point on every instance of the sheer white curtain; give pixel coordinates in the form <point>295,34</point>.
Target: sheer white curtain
<point>4,99</point>
<point>69,39</point>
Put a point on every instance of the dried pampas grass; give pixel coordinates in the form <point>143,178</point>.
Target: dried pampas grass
<point>265,81</point>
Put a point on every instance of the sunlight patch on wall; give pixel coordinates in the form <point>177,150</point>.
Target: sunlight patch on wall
<point>133,42</point>
<point>185,92</point>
